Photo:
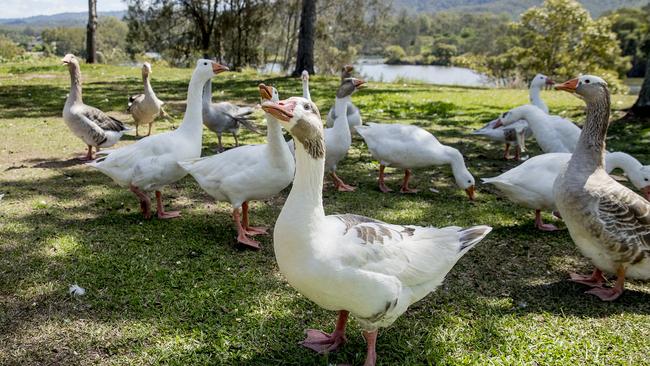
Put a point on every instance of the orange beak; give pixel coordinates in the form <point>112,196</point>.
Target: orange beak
<point>66,60</point>
<point>218,68</point>
<point>568,86</point>
<point>497,124</point>
<point>358,83</point>
<point>266,92</point>
<point>282,110</point>
<point>471,192</point>
<point>549,81</point>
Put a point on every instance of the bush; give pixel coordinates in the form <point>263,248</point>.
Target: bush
<point>8,49</point>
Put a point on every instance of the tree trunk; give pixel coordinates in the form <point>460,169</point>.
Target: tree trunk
<point>305,57</point>
<point>642,106</point>
<point>91,45</point>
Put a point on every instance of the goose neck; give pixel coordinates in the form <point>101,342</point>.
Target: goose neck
<point>148,90</point>
<point>305,90</point>
<point>306,197</point>
<point>621,160</point>
<point>590,151</point>
<point>341,105</point>
<point>206,96</point>
<point>75,84</point>
<point>193,121</point>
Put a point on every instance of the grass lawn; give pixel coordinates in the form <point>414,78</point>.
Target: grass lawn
<point>182,292</point>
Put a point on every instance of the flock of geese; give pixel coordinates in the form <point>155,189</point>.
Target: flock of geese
<point>357,265</point>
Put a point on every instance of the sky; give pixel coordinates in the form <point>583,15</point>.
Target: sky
<point>28,8</point>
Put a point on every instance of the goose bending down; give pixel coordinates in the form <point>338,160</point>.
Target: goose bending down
<point>305,85</point>
<point>225,116</point>
<point>349,263</point>
<point>552,133</point>
<point>338,138</point>
<point>411,147</point>
<point>511,135</point>
<point>531,183</point>
<point>92,126</point>
<point>353,113</point>
<point>152,162</point>
<point>253,172</point>
<point>609,223</point>
<point>145,107</point>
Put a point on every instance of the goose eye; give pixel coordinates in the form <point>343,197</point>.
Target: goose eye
<point>307,107</point>
<point>587,81</point>
<point>645,179</point>
<point>469,181</point>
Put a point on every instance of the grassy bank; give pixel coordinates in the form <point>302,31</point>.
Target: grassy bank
<point>181,292</point>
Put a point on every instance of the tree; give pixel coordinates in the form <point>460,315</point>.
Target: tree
<point>204,14</point>
<point>305,57</point>
<point>91,45</point>
<point>641,107</point>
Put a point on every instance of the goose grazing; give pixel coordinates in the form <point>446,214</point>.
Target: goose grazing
<point>338,138</point>
<point>411,147</point>
<point>609,223</point>
<point>305,85</point>
<point>511,135</point>
<point>92,126</point>
<point>151,163</point>
<point>225,116</point>
<point>531,183</point>
<point>349,263</point>
<point>145,107</point>
<point>553,133</point>
<point>253,172</point>
<point>353,113</point>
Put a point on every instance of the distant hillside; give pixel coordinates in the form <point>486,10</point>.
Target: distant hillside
<point>56,20</point>
<point>512,7</point>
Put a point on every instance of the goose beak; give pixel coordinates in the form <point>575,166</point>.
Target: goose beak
<point>282,110</point>
<point>568,86</point>
<point>646,192</point>
<point>266,93</point>
<point>305,75</point>
<point>471,192</point>
<point>497,124</point>
<point>348,68</point>
<point>218,68</point>
<point>66,59</point>
<point>358,83</point>
<point>549,81</point>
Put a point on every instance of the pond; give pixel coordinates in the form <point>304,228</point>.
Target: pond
<point>442,75</point>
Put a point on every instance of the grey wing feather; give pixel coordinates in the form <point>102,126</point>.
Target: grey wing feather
<point>104,121</point>
<point>133,99</point>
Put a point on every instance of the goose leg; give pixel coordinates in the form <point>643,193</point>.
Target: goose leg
<point>595,279</point>
<point>160,210</point>
<point>541,225</point>
<point>220,146</point>
<point>382,185</point>
<point>371,342</point>
<point>518,153</point>
<point>340,185</point>
<point>236,140</point>
<point>145,201</point>
<point>241,232</point>
<point>611,293</point>
<point>149,133</point>
<point>321,342</point>
<point>405,184</point>
<point>136,130</point>
<point>89,155</point>
<point>250,230</point>
<point>506,152</point>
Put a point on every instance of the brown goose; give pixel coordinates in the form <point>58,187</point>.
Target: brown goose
<point>91,125</point>
<point>145,107</point>
<point>609,223</point>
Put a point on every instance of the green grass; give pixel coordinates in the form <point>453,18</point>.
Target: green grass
<point>181,292</point>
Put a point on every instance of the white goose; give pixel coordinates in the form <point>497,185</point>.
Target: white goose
<point>145,107</point>
<point>511,135</point>
<point>92,126</point>
<point>349,263</point>
<point>338,138</point>
<point>552,133</point>
<point>531,183</point>
<point>609,223</point>
<point>305,85</point>
<point>151,163</point>
<point>410,147</point>
<point>353,113</point>
<point>225,116</point>
<point>253,172</point>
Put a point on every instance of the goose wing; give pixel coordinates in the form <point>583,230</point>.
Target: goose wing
<point>101,119</point>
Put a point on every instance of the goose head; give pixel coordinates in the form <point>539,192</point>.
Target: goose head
<point>301,118</point>
<point>462,176</point>
<point>70,60</point>
<point>269,93</point>
<point>349,86</point>
<point>587,87</point>
<point>346,71</point>
<point>540,81</point>
<point>146,69</point>
<point>509,117</point>
<point>209,68</point>
<point>640,178</point>
<point>305,75</point>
